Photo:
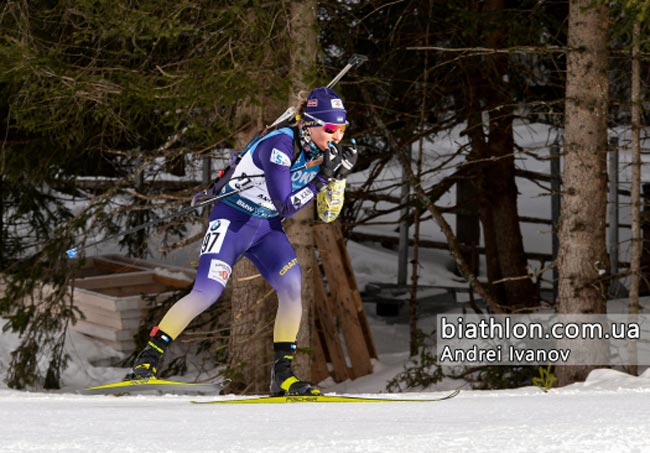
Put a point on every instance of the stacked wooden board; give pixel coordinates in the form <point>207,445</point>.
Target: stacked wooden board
<point>114,292</point>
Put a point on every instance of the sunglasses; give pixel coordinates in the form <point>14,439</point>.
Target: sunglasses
<point>328,127</point>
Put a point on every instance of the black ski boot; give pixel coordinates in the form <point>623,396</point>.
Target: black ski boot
<point>146,363</point>
<point>283,381</point>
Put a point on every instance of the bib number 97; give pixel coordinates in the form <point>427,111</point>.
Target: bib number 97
<point>213,239</point>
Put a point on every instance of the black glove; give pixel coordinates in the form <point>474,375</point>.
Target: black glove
<point>331,162</point>
<point>348,159</point>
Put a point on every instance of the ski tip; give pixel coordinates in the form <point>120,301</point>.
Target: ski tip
<point>72,253</point>
<point>453,394</point>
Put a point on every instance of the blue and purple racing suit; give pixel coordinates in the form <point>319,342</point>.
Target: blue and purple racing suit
<point>249,223</point>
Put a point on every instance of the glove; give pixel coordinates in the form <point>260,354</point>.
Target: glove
<point>331,162</point>
<point>348,159</point>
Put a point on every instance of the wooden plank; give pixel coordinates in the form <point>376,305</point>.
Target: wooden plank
<point>172,282</point>
<point>334,246</point>
<point>188,274</point>
<point>102,317</point>
<point>319,370</point>
<point>104,332</point>
<point>116,264</point>
<point>348,272</point>
<point>133,279</point>
<point>91,298</point>
<point>116,320</point>
<point>132,290</point>
<point>367,334</point>
<point>356,295</point>
<point>109,289</point>
<point>110,302</point>
<point>101,265</point>
<point>133,283</point>
<point>113,280</point>
<point>123,314</point>
<point>345,305</point>
<point>125,346</point>
<point>326,328</point>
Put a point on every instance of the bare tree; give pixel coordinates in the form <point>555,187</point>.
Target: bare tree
<point>582,259</point>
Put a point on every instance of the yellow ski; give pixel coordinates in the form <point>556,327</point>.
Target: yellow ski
<point>324,399</point>
<point>151,384</point>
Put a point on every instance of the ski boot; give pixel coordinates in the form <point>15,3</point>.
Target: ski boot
<point>146,363</point>
<point>283,381</point>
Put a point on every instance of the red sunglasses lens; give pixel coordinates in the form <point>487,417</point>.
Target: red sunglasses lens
<point>332,128</point>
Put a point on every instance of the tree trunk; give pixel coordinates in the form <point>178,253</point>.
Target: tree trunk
<point>500,190</point>
<point>299,227</point>
<point>468,228</point>
<point>254,303</point>
<point>582,259</point>
<point>489,101</point>
<point>251,336</point>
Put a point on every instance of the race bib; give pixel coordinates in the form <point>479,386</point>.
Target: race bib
<point>213,239</point>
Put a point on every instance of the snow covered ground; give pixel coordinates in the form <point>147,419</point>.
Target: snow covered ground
<point>607,413</point>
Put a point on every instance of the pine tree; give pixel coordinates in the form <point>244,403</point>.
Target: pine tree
<point>112,89</point>
<point>583,260</point>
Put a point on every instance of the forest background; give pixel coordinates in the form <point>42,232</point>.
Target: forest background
<point>100,98</point>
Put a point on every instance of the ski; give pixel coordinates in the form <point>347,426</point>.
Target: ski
<point>324,399</point>
<point>152,384</point>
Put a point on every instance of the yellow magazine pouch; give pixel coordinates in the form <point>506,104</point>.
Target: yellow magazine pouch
<point>329,201</point>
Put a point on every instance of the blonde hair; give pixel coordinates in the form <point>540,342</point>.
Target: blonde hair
<point>301,103</point>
